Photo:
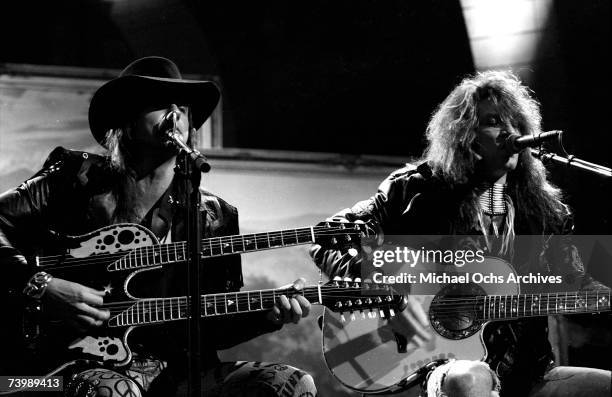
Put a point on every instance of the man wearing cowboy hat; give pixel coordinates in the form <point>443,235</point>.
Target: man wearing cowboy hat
<point>78,192</point>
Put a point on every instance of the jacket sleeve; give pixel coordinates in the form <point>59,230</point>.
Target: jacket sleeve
<point>394,197</point>
<point>566,260</point>
<point>23,214</point>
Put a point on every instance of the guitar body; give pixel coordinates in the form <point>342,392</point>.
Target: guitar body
<point>364,354</point>
<point>125,260</point>
<point>52,344</point>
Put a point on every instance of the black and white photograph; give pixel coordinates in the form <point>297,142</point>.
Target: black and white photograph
<point>299,199</point>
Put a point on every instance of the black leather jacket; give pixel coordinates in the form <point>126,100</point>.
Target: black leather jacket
<point>412,201</point>
<point>72,195</point>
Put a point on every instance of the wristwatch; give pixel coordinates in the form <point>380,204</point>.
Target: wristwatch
<point>37,284</point>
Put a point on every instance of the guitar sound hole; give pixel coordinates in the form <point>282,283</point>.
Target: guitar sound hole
<point>126,237</point>
<point>453,311</point>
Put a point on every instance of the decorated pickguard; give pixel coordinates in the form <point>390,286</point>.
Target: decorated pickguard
<point>109,350</point>
<point>112,239</point>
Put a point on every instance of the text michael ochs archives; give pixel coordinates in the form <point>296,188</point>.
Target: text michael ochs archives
<point>431,266</point>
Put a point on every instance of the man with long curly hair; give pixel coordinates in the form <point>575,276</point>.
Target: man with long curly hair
<point>469,182</point>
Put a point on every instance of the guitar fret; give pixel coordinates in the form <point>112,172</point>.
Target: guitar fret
<point>238,245</point>
<point>167,254</point>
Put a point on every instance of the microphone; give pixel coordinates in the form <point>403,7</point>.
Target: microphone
<point>172,137</point>
<point>515,143</point>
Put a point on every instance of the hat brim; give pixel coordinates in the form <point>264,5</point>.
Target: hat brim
<point>120,99</point>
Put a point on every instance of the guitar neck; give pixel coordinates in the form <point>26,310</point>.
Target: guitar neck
<point>500,307</point>
<point>338,295</point>
<point>159,310</point>
<point>155,255</point>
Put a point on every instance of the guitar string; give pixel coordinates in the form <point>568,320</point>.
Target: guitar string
<point>152,252</point>
<point>218,241</point>
<point>267,294</point>
<point>591,304</point>
<point>244,299</point>
<point>221,310</point>
<point>264,235</point>
<point>333,290</point>
<point>313,293</point>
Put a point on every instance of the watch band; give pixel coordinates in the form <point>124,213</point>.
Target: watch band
<point>37,284</point>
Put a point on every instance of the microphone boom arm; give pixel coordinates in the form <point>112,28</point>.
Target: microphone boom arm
<point>200,162</point>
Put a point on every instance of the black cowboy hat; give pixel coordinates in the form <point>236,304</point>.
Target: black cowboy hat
<point>143,84</point>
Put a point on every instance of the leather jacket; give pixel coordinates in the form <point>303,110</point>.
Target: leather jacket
<point>413,201</point>
<point>73,194</point>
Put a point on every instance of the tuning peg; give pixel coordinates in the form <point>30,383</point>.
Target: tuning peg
<point>363,316</point>
<point>388,298</point>
<point>358,302</point>
<point>352,316</point>
<point>391,313</point>
<point>373,314</point>
<point>347,281</point>
<point>337,280</point>
<point>382,313</point>
<point>334,241</point>
<point>338,305</point>
<point>342,319</point>
<point>349,304</point>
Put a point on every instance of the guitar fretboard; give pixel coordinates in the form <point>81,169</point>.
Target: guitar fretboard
<point>159,310</point>
<point>155,255</point>
<point>494,307</point>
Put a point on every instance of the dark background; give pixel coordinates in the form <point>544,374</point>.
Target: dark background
<point>352,76</point>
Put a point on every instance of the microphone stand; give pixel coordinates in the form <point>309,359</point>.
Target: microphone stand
<point>572,161</point>
<point>190,165</point>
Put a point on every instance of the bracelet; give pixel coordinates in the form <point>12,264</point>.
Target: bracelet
<point>37,284</point>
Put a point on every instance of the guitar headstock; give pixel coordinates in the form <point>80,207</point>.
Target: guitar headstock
<point>363,299</point>
<point>337,234</point>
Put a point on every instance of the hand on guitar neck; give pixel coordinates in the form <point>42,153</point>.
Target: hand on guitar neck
<point>290,309</point>
<point>75,303</point>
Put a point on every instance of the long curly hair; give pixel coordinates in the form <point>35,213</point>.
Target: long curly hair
<point>451,133</point>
